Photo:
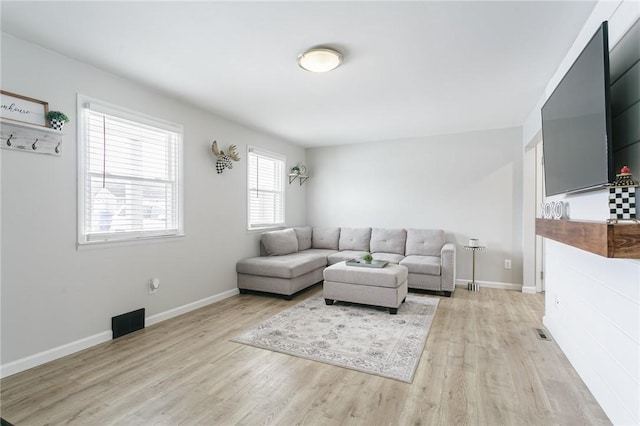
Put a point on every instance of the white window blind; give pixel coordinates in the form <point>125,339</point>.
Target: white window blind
<point>265,189</point>
<point>130,168</point>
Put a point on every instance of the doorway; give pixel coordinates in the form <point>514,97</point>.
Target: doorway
<point>533,196</point>
<point>539,241</point>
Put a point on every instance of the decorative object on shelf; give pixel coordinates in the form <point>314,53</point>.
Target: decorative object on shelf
<point>224,160</point>
<point>298,172</point>
<point>473,285</point>
<point>557,209</point>
<point>622,197</point>
<point>23,109</point>
<point>57,119</point>
<point>474,242</point>
<point>554,210</point>
<point>366,258</point>
<point>25,137</point>
<point>299,169</point>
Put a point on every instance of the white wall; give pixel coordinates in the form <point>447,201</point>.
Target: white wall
<point>468,184</point>
<point>54,294</point>
<point>592,304</point>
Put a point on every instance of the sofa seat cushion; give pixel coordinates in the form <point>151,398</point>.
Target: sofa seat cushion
<point>426,265</point>
<point>388,257</point>
<point>345,255</point>
<point>286,266</point>
<point>321,252</point>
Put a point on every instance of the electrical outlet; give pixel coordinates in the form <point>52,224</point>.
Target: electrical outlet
<point>154,285</point>
<point>507,264</point>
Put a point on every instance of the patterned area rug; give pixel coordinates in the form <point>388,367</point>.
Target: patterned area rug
<point>362,338</point>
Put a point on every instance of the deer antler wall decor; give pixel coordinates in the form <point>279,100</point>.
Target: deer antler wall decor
<point>224,160</point>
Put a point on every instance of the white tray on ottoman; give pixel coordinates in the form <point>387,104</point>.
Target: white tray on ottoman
<point>386,287</point>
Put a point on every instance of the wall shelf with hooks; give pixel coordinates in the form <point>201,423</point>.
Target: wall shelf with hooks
<point>294,176</point>
<point>29,138</point>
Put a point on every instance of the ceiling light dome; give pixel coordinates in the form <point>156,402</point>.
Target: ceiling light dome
<point>320,59</point>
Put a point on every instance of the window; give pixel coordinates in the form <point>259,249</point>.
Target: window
<point>266,189</point>
<point>129,174</point>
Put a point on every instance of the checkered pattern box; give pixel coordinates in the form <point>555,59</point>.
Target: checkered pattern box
<point>622,202</point>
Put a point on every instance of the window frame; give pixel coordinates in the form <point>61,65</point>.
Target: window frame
<point>253,150</point>
<point>83,236</point>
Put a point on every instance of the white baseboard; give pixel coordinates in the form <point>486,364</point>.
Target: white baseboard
<point>69,348</point>
<point>54,353</point>
<point>491,284</point>
<point>529,289</point>
<point>163,316</point>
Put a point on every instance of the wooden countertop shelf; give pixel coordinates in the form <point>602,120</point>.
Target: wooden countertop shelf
<point>619,240</point>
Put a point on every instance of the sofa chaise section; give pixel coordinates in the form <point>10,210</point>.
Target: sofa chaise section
<point>292,260</point>
<point>286,274</point>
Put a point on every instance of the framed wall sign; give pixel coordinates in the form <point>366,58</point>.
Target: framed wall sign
<point>21,108</point>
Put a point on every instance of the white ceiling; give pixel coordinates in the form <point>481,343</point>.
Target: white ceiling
<point>410,69</point>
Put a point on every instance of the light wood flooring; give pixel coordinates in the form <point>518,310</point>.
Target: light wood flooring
<point>482,364</point>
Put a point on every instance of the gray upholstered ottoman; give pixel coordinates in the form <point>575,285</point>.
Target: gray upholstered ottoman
<point>385,287</point>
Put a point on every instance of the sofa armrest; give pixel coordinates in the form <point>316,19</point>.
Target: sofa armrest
<point>448,265</point>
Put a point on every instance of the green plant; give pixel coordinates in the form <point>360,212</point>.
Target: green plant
<point>367,257</point>
<point>295,169</point>
<point>57,115</point>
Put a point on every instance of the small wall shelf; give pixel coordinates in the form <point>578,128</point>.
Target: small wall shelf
<point>294,176</point>
<point>29,138</point>
<point>615,240</point>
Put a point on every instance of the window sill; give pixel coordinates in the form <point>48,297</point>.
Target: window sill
<point>266,228</point>
<point>126,243</point>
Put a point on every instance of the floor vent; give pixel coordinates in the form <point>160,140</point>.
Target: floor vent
<point>127,323</point>
<point>542,334</point>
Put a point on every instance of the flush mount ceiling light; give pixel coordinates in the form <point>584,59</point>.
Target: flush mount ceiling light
<point>320,59</point>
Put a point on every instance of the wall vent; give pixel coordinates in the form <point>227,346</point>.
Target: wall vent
<point>542,334</point>
<point>127,323</point>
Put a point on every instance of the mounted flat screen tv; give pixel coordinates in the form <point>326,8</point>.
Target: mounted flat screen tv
<point>576,123</point>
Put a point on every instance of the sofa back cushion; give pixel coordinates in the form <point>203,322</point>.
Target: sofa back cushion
<point>388,240</point>
<point>304,237</point>
<point>425,242</point>
<point>277,243</point>
<point>325,238</point>
<point>354,239</point>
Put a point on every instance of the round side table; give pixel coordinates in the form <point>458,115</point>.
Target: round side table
<point>473,285</point>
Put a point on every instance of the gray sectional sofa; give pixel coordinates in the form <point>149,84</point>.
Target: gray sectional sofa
<point>293,259</point>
